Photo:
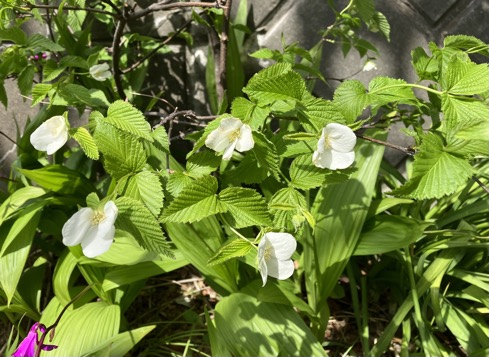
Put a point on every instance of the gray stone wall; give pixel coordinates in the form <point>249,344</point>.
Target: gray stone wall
<point>413,23</point>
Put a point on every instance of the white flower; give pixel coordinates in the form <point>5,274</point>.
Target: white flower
<point>93,229</point>
<point>51,135</point>
<point>335,147</point>
<point>231,134</point>
<point>369,65</point>
<point>274,252</point>
<point>100,72</point>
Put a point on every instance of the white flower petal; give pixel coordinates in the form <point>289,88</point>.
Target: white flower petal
<point>51,135</point>
<point>262,265</point>
<point>77,226</point>
<point>341,137</point>
<point>111,211</point>
<point>280,269</point>
<point>98,240</point>
<point>245,141</point>
<point>217,140</point>
<point>284,244</point>
<point>228,125</point>
<point>100,72</point>
<point>228,153</point>
<point>341,160</point>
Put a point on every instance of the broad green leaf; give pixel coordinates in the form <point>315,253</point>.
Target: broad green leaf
<point>266,154</point>
<point>436,172</point>
<point>199,242</point>
<point>245,206</point>
<point>462,111</point>
<point>383,90</point>
<point>426,67</point>
<point>386,233</point>
<point>233,249</point>
<point>379,206</point>
<point>129,119</point>
<point>287,205</point>
<point>94,323</point>
<point>31,284</point>
<point>248,327</point>
<point>470,333</point>
<point>14,34</point>
<point>136,219</point>
<point>470,44</point>
<point>351,99</point>
<point>145,186</point>
<point>86,141</point>
<point>64,271</point>
<point>177,181</point>
<point>248,171</point>
<point>196,201</point>
<point>250,113</point>
<point>304,175</point>
<point>73,61</point>
<point>366,9</point>
<point>380,23</point>
<point>18,200</point>
<point>158,151</point>
<point>38,43</point>
<point>265,53</point>
<point>469,137</point>
<point>202,163</point>
<point>3,94</point>
<point>465,78</point>
<point>120,344</point>
<point>277,82</point>
<point>128,274</point>
<point>60,179</point>
<point>79,94</point>
<point>25,81</point>
<point>316,113</point>
<point>15,248</point>
<point>39,92</point>
<point>123,153</point>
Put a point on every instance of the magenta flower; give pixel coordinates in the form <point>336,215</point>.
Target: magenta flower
<point>27,348</point>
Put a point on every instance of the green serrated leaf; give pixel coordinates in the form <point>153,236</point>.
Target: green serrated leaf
<point>129,119</point>
<point>383,90</point>
<point>38,43</point>
<point>123,153</point>
<point>249,113</point>
<point>26,80</point>
<point>73,61</point>
<point>459,111</point>
<point>277,82</point>
<point>426,67</point>
<point>245,206</point>
<point>202,164</point>
<point>60,179</point>
<point>436,172</point>
<point>195,202</point>
<point>305,176</point>
<point>351,99</point>
<point>470,137</point>
<point>144,186</point>
<point>87,143</point>
<point>470,44</point>
<point>136,219</point>
<point>39,92</point>
<point>316,113</point>
<point>284,205</point>
<point>266,154</point>
<point>234,249</point>
<point>265,53</point>
<point>465,78</point>
<point>366,9</point>
<point>14,34</point>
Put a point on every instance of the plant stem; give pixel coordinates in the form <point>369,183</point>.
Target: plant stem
<point>408,85</point>
<point>408,151</point>
<point>224,39</point>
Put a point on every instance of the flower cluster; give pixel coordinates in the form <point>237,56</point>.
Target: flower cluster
<point>93,229</point>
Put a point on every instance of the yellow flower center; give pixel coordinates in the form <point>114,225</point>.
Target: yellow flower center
<point>98,217</point>
<point>267,254</point>
<point>327,143</point>
<point>235,135</point>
